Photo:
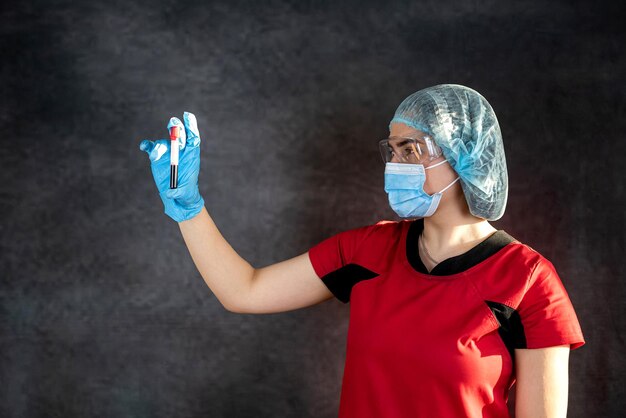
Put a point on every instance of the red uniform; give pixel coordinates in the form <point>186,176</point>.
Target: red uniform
<point>439,344</point>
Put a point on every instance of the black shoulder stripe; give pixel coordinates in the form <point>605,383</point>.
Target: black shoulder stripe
<point>340,281</point>
<point>511,329</point>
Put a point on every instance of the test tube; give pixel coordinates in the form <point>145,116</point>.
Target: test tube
<point>174,157</point>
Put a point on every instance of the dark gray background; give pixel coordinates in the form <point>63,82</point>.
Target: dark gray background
<point>102,312</point>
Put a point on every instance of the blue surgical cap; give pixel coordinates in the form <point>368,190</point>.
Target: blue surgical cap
<point>464,125</point>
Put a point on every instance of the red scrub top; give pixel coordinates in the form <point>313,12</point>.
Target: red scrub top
<point>439,344</point>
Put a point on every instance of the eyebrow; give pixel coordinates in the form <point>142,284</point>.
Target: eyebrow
<point>401,143</point>
<point>405,141</point>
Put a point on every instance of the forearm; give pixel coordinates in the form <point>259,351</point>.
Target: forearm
<point>227,274</point>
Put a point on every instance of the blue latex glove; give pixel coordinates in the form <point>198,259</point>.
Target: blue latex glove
<point>184,202</point>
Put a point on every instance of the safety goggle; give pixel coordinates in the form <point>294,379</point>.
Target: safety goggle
<point>397,149</point>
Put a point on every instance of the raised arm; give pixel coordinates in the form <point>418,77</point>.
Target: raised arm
<point>285,286</point>
<point>239,287</point>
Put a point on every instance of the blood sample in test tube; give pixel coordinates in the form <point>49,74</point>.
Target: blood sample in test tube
<point>174,131</point>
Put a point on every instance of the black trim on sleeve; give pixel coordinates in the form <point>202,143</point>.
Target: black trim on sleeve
<point>511,329</point>
<point>341,281</point>
<point>457,264</point>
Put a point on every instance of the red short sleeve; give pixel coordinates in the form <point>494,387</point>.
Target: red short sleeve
<point>340,261</point>
<point>336,251</point>
<point>546,311</point>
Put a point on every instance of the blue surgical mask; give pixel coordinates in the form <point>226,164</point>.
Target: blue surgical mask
<point>404,183</point>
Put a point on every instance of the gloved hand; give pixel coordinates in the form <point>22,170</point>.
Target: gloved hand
<point>184,202</point>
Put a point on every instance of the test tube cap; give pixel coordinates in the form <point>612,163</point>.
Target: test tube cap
<point>174,132</point>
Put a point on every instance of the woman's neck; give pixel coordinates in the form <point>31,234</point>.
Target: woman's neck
<point>453,230</point>
<point>443,238</point>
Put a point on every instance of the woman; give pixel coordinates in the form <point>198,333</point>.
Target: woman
<point>446,311</point>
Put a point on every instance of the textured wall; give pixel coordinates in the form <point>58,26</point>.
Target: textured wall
<point>291,97</point>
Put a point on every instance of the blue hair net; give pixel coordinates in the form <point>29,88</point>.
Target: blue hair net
<point>464,125</point>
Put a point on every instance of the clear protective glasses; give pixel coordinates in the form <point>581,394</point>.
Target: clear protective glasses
<point>409,150</point>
